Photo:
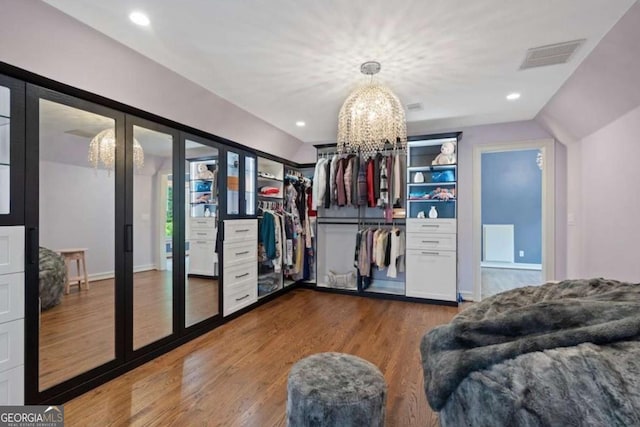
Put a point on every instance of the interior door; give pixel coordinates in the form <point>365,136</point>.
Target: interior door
<point>153,278</point>
<point>75,223</point>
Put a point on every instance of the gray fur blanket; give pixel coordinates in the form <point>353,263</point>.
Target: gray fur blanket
<point>560,354</point>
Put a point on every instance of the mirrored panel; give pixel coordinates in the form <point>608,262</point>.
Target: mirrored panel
<point>152,236</point>
<point>5,121</point>
<point>76,229</point>
<point>250,185</point>
<point>233,183</point>
<point>201,213</point>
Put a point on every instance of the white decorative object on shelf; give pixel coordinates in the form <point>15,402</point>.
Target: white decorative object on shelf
<point>418,178</point>
<point>421,214</point>
<point>447,154</point>
<point>433,212</point>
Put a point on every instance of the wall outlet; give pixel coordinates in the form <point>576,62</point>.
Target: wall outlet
<point>521,254</point>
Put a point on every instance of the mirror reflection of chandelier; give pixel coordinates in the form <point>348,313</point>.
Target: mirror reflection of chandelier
<point>371,117</point>
<point>102,151</point>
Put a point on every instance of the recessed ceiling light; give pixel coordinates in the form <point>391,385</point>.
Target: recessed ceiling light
<point>513,96</point>
<point>300,124</point>
<point>139,18</point>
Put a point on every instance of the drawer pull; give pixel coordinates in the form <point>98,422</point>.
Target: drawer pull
<point>431,241</point>
<point>430,225</point>
<point>241,298</point>
<point>201,234</point>
<point>242,253</point>
<point>242,275</point>
<point>244,230</point>
<point>430,253</point>
<point>202,242</point>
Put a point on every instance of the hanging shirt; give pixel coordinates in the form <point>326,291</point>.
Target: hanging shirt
<point>362,184</point>
<point>332,179</point>
<point>376,178</point>
<point>397,181</point>
<point>383,200</point>
<point>327,178</point>
<point>341,196</point>
<point>355,173</point>
<point>277,229</point>
<point>381,247</point>
<point>267,235</point>
<point>319,183</point>
<point>397,253</point>
<point>348,179</point>
<point>371,198</point>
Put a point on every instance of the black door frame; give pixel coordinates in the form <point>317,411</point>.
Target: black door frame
<point>17,96</point>
<point>32,310</point>
<point>178,234</point>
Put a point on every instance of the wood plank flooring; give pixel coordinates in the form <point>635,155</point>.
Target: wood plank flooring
<point>236,375</point>
<point>79,333</point>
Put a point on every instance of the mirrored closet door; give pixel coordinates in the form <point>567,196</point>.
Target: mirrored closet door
<point>75,159</point>
<point>151,215</point>
<point>202,198</point>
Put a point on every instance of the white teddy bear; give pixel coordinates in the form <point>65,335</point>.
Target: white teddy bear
<point>447,154</point>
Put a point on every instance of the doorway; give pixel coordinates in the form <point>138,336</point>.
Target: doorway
<point>513,216</point>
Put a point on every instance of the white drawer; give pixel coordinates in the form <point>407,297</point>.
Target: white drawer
<point>202,234</point>
<point>11,249</point>
<point>236,230</point>
<point>240,296</point>
<point>427,225</point>
<point>240,253</point>
<point>443,242</point>
<point>202,257</point>
<point>240,273</point>
<point>202,223</point>
<point>11,344</point>
<point>11,297</point>
<point>431,274</point>
<point>12,386</point>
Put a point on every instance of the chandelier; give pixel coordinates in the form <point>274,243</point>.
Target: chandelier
<point>371,117</point>
<point>102,149</point>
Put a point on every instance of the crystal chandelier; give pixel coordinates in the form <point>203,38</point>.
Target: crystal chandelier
<point>370,118</point>
<point>102,149</point>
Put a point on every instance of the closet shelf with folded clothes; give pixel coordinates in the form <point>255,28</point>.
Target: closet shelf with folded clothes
<point>432,168</point>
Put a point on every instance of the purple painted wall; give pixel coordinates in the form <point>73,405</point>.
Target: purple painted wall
<point>611,200</point>
<point>41,39</point>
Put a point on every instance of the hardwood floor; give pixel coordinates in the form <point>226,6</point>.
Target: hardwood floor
<point>236,375</point>
<point>78,334</point>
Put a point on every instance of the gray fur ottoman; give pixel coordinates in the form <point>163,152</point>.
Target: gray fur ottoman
<point>335,389</point>
<point>52,277</point>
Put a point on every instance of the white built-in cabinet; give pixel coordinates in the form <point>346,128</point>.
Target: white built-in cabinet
<point>203,260</point>
<point>12,315</point>
<point>240,269</point>
<point>431,243</point>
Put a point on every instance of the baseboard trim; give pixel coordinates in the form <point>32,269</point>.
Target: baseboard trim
<point>510,266</point>
<point>467,295</point>
<point>110,274</point>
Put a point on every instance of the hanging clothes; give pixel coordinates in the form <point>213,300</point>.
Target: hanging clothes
<point>267,235</point>
<point>383,200</point>
<point>277,230</point>
<point>327,178</point>
<point>355,174</point>
<point>348,180</point>
<point>371,198</point>
<point>397,261</point>
<point>362,184</point>
<point>319,183</point>
<point>397,181</point>
<point>333,167</point>
<point>341,196</point>
<point>376,178</point>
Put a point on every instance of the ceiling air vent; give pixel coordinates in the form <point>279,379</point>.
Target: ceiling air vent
<point>552,54</point>
<point>416,106</point>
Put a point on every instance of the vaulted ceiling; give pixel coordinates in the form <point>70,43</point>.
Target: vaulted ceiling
<point>291,60</point>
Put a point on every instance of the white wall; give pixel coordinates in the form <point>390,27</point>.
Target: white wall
<point>41,39</point>
<point>77,211</point>
<point>610,178</point>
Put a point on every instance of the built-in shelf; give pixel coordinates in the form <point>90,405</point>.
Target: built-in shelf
<point>205,204</point>
<point>266,196</point>
<point>264,178</point>
<point>430,184</point>
<point>431,168</point>
<point>432,200</point>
